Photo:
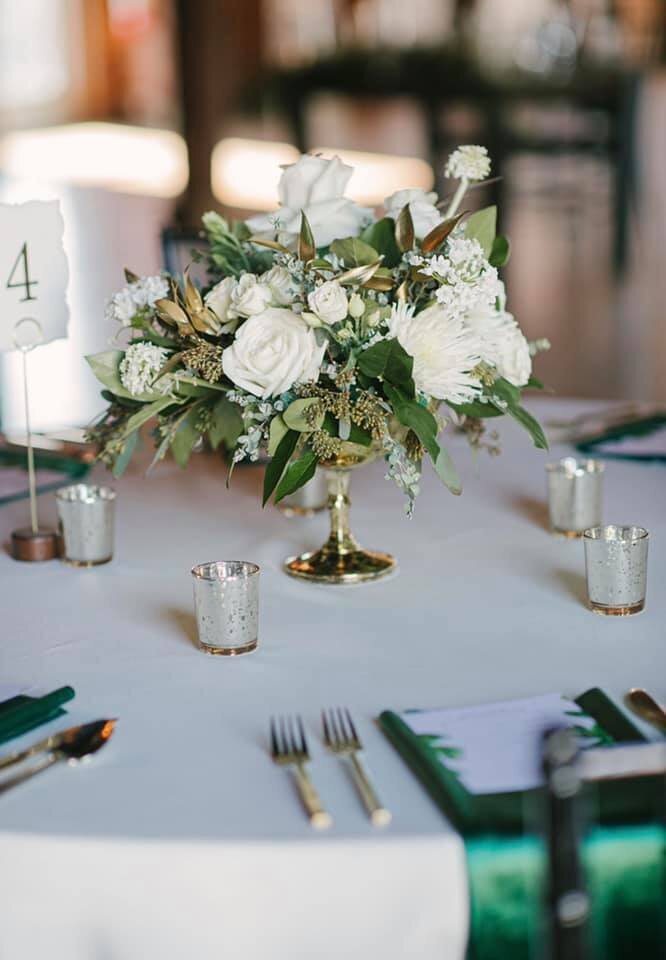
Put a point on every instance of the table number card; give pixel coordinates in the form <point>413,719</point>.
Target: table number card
<point>33,270</point>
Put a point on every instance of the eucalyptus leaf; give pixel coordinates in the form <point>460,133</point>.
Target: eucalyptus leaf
<point>147,412</point>
<point>482,226</point>
<point>185,378</point>
<point>381,236</point>
<point>354,252</point>
<point>297,475</point>
<point>279,461</point>
<point>226,424</point>
<point>447,473</point>
<point>295,418</point>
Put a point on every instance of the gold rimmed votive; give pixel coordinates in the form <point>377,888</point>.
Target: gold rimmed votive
<point>575,489</point>
<point>86,515</point>
<point>616,569</point>
<point>226,601</point>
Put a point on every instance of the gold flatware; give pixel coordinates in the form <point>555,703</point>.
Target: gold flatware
<point>289,748</point>
<point>71,745</point>
<point>341,737</point>
<point>646,706</point>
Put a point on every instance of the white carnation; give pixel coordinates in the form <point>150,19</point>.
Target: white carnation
<point>329,302</point>
<point>136,297</point>
<point>445,351</point>
<point>139,367</point>
<point>468,162</point>
<point>273,351</point>
<point>425,215</point>
<point>249,296</point>
<point>502,344</point>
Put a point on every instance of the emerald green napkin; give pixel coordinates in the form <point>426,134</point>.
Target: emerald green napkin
<point>22,713</point>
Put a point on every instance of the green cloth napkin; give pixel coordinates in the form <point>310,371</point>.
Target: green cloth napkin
<point>624,851</point>
<point>21,714</point>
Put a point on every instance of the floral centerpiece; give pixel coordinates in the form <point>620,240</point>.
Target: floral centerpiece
<point>327,336</point>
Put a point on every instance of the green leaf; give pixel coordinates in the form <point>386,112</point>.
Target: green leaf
<point>381,236</point>
<point>506,391</point>
<point>481,226</point>
<point>306,244</point>
<point>359,435</point>
<point>185,438</point>
<point>280,459</point>
<point>447,473</point>
<point>152,337</point>
<point>184,378</point>
<point>295,419</point>
<point>226,424</point>
<point>411,414</point>
<point>125,455</point>
<point>500,251</point>
<point>535,383</point>
<point>533,427</point>
<point>388,360</point>
<point>105,367</point>
<point>297,474</point>
<point>354,252</point>
<point>147,412</point>
<point>276,431</point>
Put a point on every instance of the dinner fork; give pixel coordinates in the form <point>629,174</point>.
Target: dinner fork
<point>341,737</point>
<point>289,748</point>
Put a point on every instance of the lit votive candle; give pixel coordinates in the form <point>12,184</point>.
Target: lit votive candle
<point>616,568</point>
<point>575,489</point>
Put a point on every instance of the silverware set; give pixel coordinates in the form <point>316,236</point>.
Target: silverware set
<point>72,746</point>
<point>340,736</point>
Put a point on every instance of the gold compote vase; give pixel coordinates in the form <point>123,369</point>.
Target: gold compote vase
<point>341,559</point>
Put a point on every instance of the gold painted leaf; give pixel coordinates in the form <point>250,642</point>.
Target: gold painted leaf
<point>438,234</point>
<point>306,245</point>
<point>404,230</point>
<point>401,292</point>
<point>361,274</point>
<point>205,321</point>
<point>171,313</point>
<point>193,300</point>
<point>131,277</point>
<point>272,244</point>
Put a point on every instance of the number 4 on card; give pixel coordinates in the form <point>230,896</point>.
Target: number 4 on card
<point>26,283</point>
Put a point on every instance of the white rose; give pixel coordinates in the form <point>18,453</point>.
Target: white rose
<point>273,351</point>
<point>218,299</point>
<point>444,349</point>
<point>329,302</point>
<point>502,343</point>
<point>279,281</point>
<point>249,296</point>
<point>313,186</point>
<point>425,214</point>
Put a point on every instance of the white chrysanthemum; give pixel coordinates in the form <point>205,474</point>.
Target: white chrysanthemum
<point>135,297</point>
<point>401,315</point>
<point>469,162</point>
<point>445,351</point>
<point>502,344</point>
<point>139,367</point>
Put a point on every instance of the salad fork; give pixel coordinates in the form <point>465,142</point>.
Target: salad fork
<point>341,737</point>
<point>289,748</point>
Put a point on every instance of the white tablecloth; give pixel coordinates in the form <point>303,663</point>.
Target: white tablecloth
<point>181,838</point>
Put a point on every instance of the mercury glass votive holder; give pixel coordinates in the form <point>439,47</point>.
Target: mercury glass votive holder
<point>86,514</point>
<point>616,569</point>
<point>308,499</point>
<point>575,489</point>
<point>226,601</point>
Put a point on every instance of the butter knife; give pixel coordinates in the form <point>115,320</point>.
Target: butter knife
<point>71,745</point>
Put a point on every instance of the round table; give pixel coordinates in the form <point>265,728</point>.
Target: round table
<point>181,838</point>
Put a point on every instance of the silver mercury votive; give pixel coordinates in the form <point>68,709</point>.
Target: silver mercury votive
<point>86,522</point>
<point>575,490</point>
<point>226,601</point>
<point>616,568</point>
